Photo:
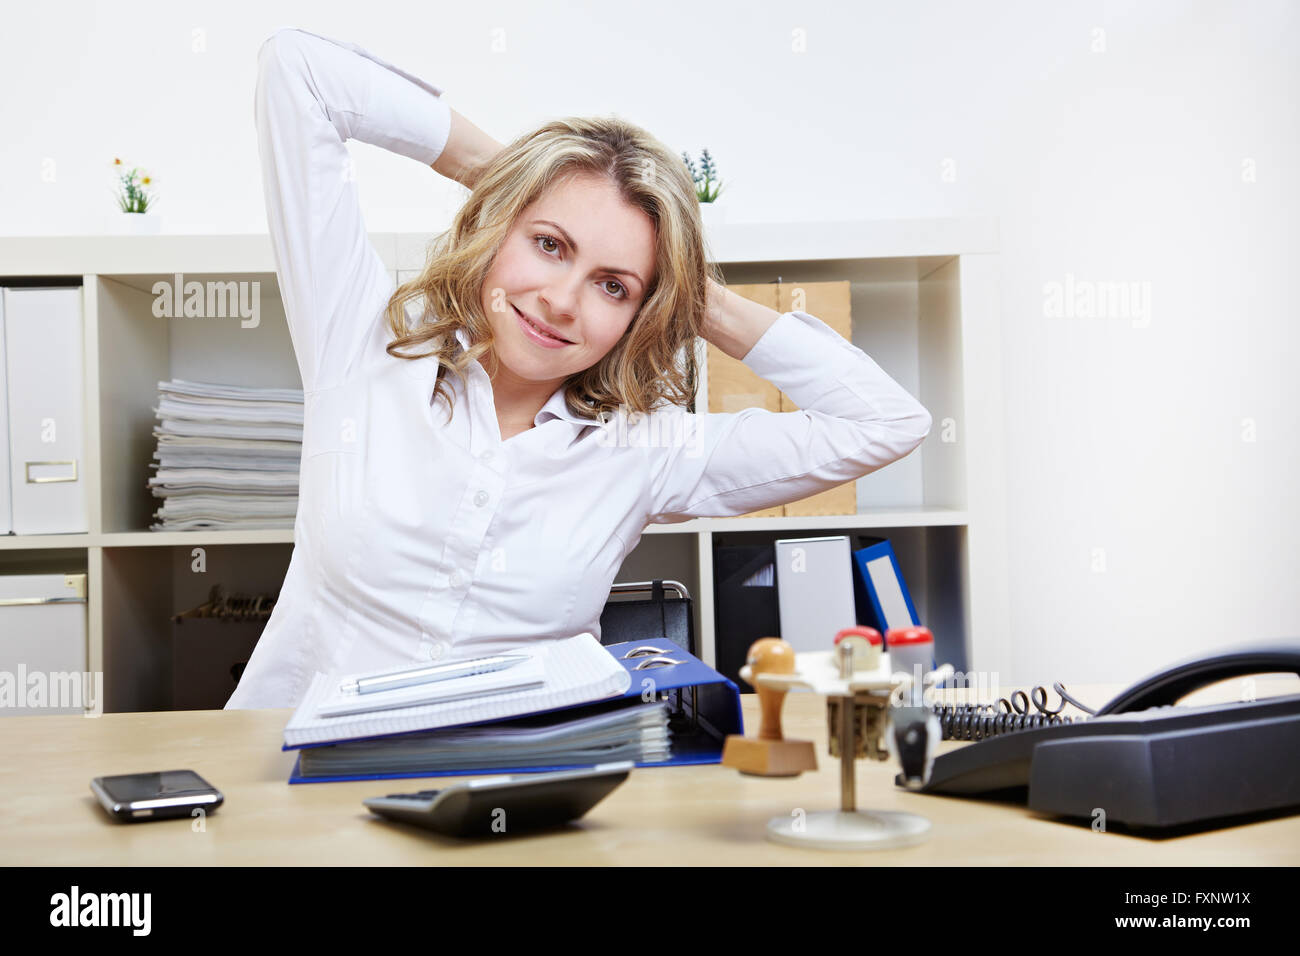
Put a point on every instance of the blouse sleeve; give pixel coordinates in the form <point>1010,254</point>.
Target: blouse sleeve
<point>313,94</point>
<point>853,419</point>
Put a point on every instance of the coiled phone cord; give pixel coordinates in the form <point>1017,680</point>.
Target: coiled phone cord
<point>978,721</point>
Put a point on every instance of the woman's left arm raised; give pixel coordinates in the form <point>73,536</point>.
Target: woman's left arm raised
<point>734,324</point>
<point>853,419</point>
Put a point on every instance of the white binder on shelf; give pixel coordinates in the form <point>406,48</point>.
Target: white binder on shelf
<point>43,355</point>
<point>6,506</point>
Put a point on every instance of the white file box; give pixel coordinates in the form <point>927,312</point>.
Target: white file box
<point>6,508</point>
<point>44,347</point>
<point>814,588</point>
<point>43,646</point>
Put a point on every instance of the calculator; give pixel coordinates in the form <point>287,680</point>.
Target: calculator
<point>497,806</point>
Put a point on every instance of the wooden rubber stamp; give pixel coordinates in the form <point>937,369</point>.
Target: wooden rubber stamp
<point>770,755</point>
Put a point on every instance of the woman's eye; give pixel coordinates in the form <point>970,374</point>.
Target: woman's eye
<point>543,238</point>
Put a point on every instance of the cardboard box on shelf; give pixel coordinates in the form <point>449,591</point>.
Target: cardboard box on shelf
<point>733,386</point>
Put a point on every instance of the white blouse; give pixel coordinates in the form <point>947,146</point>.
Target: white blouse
<point>417,539</point>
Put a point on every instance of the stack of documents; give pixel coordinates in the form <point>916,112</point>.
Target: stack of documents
<point>621,730</point>
<point>526,716</point>
<point>228,456</point>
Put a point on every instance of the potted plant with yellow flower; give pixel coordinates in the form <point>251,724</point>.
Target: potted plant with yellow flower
<point>134,200</point>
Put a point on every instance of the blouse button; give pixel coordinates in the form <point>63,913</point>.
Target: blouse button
<point>436,650</point>
<point>481,498</point>
<point>457,578</point>
<point>485,455</point>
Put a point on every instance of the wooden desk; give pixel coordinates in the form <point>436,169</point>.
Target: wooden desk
<point>673,815</point>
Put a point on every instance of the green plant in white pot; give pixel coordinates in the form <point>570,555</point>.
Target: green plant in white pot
<point>134,202</point>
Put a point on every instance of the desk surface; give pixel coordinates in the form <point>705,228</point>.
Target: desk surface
<point>672,815</point>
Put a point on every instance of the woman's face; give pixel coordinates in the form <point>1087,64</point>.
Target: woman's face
<point>579,261</point>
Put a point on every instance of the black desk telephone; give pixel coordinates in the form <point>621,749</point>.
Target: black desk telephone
<point>1141,761</point>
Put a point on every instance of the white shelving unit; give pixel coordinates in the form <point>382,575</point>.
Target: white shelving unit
<point>924,305</point>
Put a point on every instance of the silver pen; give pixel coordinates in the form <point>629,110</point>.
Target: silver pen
<point>427,675</point>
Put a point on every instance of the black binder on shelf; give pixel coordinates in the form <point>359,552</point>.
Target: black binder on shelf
<point>745,604</point>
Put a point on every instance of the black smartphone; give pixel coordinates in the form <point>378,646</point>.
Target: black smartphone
<point>136,797</point>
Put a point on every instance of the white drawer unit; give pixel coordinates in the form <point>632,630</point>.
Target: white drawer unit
<point>43,646</point>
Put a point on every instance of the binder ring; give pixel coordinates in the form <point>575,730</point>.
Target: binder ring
<point>656,662</point>
<point>644,651</point>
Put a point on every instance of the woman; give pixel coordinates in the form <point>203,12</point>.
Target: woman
<point>448,516</point>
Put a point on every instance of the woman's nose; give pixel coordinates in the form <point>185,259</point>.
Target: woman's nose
<point>561,299</point>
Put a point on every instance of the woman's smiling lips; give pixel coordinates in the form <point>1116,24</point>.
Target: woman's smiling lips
<point>532,330</point>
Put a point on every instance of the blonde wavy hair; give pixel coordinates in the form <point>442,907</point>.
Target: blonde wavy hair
<point>654,361</point>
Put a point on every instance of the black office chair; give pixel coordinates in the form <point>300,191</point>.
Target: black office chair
<point>656,618</point>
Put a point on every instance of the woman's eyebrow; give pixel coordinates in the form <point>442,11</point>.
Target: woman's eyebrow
<point>574,246</point>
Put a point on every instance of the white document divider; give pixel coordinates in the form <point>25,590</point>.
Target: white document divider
<point>43,646</point>
<point>44,347</point>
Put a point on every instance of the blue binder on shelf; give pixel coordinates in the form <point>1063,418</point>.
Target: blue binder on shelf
<point>884,601</point>
<point>704,706</point>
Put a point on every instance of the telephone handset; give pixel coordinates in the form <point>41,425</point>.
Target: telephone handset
<point>1143,761</point>
<point>1177,681</point>
<point>1162,689</point>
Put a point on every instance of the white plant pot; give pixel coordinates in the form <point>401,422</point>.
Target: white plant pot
<point>138,224</point>
<point>712,216</point>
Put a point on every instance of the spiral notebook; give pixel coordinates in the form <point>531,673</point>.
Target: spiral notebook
<point>575,670</point>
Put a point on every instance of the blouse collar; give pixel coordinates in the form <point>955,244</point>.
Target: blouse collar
<point>555,407</point>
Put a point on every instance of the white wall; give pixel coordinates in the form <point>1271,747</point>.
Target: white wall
<point>1152,143</point>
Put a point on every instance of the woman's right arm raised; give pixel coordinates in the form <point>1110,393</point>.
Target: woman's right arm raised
<point>313,94</point>
<point>468,150</point>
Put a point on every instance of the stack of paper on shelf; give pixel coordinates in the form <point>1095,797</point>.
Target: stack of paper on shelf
<point>228,456</point>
